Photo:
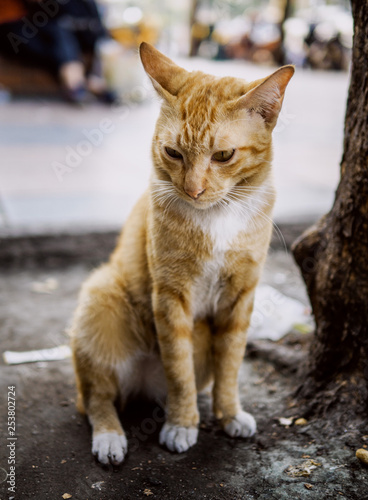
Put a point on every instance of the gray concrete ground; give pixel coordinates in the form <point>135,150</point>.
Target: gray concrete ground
<point>52,450</point>
<point>106,153</point>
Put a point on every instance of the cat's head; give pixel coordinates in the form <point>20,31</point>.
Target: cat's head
<point>213,135</point>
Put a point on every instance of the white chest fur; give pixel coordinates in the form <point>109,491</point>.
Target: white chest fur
<point>223,228</point>
<point>222,225</point>
<point>206,290</point>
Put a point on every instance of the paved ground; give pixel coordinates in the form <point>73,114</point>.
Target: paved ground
<point>52,450</point>
<point>107,154</point>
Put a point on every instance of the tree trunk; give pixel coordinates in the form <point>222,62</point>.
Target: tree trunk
<point>333,256</point>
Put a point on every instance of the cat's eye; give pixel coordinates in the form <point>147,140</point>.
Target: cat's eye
<point>173,153</point>
<point>222,156</point>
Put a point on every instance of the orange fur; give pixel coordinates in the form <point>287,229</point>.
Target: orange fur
<point>177,293</point>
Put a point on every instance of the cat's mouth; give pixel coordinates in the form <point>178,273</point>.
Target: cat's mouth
<point>167,193</point>
<point>205,202</point>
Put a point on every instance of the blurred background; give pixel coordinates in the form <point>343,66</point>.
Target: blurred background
<point>75,147</point>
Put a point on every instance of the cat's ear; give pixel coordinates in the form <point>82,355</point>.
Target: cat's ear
<point>266,98</point>
<point>167,78</point>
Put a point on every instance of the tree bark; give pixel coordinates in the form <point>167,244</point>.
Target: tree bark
<point>333,254</point>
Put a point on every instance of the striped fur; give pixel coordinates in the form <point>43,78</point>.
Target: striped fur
<point>169,312</point>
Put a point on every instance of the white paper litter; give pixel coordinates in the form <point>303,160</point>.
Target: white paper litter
<point>275,314</point>
<point>286,422</point>
<point>52,354</point>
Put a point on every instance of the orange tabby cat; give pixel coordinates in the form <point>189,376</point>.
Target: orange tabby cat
<point>169,312</point>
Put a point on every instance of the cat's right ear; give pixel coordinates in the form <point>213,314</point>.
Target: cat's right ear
<point>266,97</point>
<point>166,77</point>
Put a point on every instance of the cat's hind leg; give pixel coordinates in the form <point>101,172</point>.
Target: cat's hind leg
<point>102,340</point>
<point>97,393</point>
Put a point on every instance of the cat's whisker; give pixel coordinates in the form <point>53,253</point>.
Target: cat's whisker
<point>160,200</point>
<point>166,199</point>
<point>163,195</point>
<point>246,204</point>
<point>257,189</point>
<point>268,219</point>
<point>171,201</point>
<point>162,192</point>
<point>160,183</point>
<point>252,195</point>
<point>247,199</point>
<point>224,205</point>
<point>242,211</point>
<point>162,186</point>
<point>234,207</point>
<point>247,192</point>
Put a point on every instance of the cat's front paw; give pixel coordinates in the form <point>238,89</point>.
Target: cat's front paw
<point>110,447</point>
<point>242,425</point>
<point>178,438</point>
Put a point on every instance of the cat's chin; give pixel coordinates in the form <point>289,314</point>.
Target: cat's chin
<point>201,204</point>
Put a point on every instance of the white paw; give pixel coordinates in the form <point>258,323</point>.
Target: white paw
<point>242,425</point>
<point>178,438</point>
<point>110,447</point>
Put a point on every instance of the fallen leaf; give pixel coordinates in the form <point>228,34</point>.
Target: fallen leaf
<point>63,462</point>
<point>66,495</point>
<point>98,485</point>
<point>304,469</point>
<point>300,421</point>
<point>147,492</point>
<point>308,486</point>
<point>303,327</point>
<point>362,455</point>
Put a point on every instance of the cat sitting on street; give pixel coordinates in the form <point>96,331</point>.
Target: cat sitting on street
<point>168,314</point>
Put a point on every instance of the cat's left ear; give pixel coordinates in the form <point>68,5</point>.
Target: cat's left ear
<point>266,98</point>
<point>167,77</point>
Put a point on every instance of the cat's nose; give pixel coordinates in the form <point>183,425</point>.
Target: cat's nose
<point>196,193</point>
